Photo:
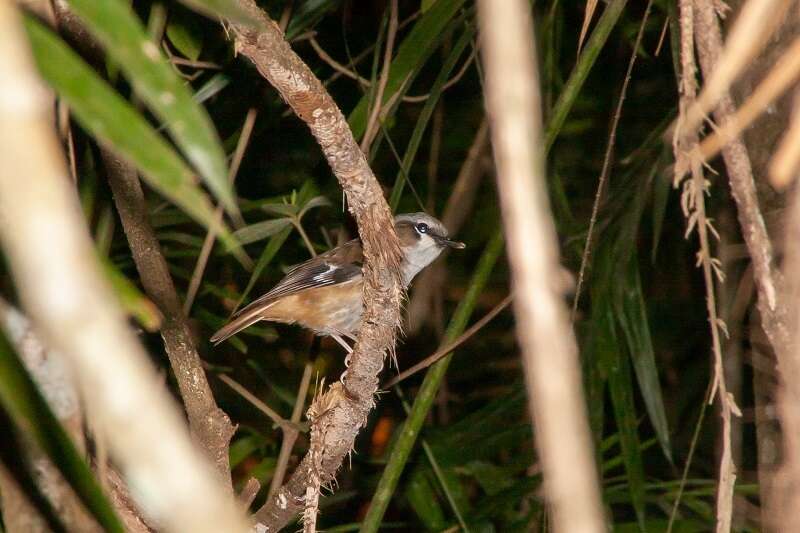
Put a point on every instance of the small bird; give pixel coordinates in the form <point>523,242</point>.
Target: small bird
<point>324,293</point>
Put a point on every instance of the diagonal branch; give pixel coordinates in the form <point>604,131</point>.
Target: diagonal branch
<point>210,425</point>
<point>347,405</point>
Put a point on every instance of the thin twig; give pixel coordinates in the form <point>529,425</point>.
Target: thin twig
<point>441,352</point>
<point>607,159</point>
<point>261,406</point>
<point>341,69</point>
<point>290,437</point>
<point>372,123</point>
<point>211,235</point>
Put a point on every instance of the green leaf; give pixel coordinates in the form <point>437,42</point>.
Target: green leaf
<point>631,314</point>
<point>132,300</point>
<point>30,413</point>
<point>425,5</point>
<point>116,124</point>
<point>307,14</point>
<point>273,246</point>
<point>422,498</point>
<point>185,37</point>
<point>620,385</point>
<point>415,49</point>
<point>125,39</point>
<point>261,230</point>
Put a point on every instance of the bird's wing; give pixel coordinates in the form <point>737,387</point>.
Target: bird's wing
<point>340,265</point>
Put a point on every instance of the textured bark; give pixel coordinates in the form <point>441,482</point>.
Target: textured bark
<point>210,426</point>
<point>347,405</point>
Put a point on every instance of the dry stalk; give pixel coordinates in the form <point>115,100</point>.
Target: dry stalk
<point>694,190</point>
<point>755,23</point>
<point>550,353</point>
<point>61,285</point>
<point>275,60</point>
<point>210,426</point>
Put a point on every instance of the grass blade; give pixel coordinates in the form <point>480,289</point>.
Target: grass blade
<point>126,41</point>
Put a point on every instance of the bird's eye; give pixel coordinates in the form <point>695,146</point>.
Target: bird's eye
<point>422,227</point>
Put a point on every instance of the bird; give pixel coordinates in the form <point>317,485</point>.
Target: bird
<point>323,294</point>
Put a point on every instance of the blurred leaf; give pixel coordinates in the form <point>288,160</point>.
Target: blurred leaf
<point>185,37</point>
<point>226,9</point>
<point>261,230</point>
<point>317,201</point>
<point>28,409</point>
<point>121,33</point>
<point>620,386</point>
<point>281,209</point>
<point>243,447</point>
<point>412,53</point>
<point>423,500</point>
<point>425,5</point>
<point>490,477</point>
<point>631,313</point>
<point>307,14</point>
<point>132,300</point>
<point>213,86</point>
<point>116,123</point>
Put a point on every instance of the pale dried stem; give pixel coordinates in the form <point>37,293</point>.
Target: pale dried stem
<point>61,284</point>
<point>785,162</point>
<point>778,80</point>
<point>693,202</point>
<point>756,21</point>
<point>549,350</point>
<point>349,404</point>
<point>461,339</point>
<point>290,434</point>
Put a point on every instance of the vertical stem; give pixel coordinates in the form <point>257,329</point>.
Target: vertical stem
<point>549,350</point>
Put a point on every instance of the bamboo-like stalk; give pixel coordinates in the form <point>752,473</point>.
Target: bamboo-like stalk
<point>61,285</point>
<point>549,350</point>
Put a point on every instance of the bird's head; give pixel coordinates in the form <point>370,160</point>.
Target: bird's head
<point>422,238</point>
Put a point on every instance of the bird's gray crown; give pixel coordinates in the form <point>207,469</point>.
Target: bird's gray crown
<point>436,227</point>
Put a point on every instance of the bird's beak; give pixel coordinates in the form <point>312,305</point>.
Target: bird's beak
<point>451,244</point>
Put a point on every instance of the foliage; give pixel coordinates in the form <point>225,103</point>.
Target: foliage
<point>641,324</point>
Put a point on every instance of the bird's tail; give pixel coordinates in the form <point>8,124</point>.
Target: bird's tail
<point>245,319</point>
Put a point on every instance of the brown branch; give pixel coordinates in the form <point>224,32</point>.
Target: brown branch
<point>709,45</point>
<point>210,426</point>
<point>549,350</point>
<point>348,405</point>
